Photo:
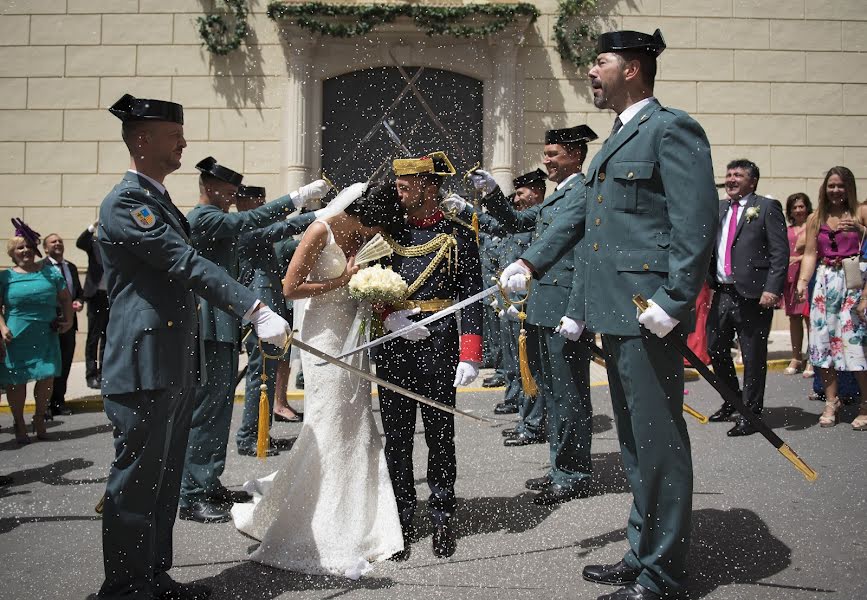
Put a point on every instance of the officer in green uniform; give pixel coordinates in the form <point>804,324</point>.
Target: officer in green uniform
<point>564,364</point>
<point>261,272</point>
<point>153,353</point>
<point>490,237</point>
<point>647,227</point>
<point>215,234</point>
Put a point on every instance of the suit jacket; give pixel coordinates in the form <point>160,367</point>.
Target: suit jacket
<point>153,276</point>
<point>87,242</point>
<point>648,224</point>
<point>549,297</point>
<point>214,234</point>
<point>760,250</point>
<point>75,292</point>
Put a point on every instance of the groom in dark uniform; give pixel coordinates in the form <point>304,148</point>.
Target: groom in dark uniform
<point>439,260</point>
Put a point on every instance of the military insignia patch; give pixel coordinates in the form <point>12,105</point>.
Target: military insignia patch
<point>144,217</point>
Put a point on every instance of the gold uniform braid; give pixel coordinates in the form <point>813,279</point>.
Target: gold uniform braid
<point>442,244</point>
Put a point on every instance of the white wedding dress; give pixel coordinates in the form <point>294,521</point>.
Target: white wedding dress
<point>330,509</point>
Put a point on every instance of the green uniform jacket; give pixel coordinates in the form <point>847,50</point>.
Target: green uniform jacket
<point>549,296</point>
<point>215,235</point>
<point>648,224</point>
<point>153,276</point>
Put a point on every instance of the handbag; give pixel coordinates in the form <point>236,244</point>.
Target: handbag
<point>852,268</point>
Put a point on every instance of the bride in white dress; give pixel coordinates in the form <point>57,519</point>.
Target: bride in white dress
<point>330,509</point>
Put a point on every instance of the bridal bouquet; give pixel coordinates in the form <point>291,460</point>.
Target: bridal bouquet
<point>376,284</point>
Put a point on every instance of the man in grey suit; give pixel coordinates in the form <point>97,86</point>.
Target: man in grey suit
<point>748,271</point>
<point>647,226</point>
<point>153,351</point>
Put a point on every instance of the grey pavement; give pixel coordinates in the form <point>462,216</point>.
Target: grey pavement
<point>760,530</point>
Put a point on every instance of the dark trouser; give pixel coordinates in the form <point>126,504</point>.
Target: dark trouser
<point>532,412</point>
<point>645,376</point>
<point>566,390</point>
<point>209,428</point>
<point>426,367</point>
<point>514,394</point>
<point>492,355</point>
<point>248,432</point>
<point>731,313</point>
<point>94,345</point>
<point>150,437</point>
<point>67,349</point>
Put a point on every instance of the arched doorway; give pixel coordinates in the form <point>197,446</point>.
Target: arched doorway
<point>354,141</point>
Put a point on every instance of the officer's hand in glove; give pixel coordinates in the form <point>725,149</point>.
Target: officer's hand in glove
<point>270,327</point>
<point>510,314</point>
<point>311,191</point>
<point>483,181</point>
<point>570,328</point>
<point>465,373</point>
<point>514,278</point>
<point>656,320</point>
<point>399,319</point>
<point>341,201</point>
<point>453,203</point>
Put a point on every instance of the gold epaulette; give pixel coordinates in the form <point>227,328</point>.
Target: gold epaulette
<point>442,244</point>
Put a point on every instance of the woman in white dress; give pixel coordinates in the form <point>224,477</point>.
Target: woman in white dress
<point>330,509</point>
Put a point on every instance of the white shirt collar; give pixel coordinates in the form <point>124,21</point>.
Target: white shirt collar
<point>742,201</point>
<point>160,187</point>
<point>565,181</point>
<point>634,109</point>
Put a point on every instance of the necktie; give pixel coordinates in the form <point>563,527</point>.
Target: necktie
<point>730,238</point>
<point>617,125</point>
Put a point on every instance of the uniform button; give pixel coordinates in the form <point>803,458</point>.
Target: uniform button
<point>645,266</point>
<point>555,282</point>
<point>171,323</point>
<point>595,246</point>
<point>599,198</point>
<point>598,221</point>
<point>230,307</point>
<point>601,176</point>
<point>630,175</point>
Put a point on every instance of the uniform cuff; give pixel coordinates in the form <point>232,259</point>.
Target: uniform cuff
<point>471,348</point>
<point>250,311</point>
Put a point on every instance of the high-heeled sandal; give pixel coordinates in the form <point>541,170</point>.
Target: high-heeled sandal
<point>795,366</point>
<point>860,422</point>
<point>44,435</point>
<point>829,415</point>
<point>808,371</point>
<point>21,438</point>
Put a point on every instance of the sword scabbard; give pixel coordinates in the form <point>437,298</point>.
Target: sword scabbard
<point>798,462</point>
<point>694,413</point>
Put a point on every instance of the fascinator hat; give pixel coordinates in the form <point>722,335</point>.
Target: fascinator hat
<point>31,238</point>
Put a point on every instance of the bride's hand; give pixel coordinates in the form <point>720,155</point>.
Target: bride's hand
<point>351,268</point>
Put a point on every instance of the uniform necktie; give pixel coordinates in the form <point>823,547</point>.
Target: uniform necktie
<point>617,125</point>
<point>730,238</point>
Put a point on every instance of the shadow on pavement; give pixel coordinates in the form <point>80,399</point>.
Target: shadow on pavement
<point>260,582</point>
<point>790,418</point>
<point>601,424</point>
<point>54,473</point>
<point>7,524</point>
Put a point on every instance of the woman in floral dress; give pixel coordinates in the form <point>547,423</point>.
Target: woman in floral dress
<point>838,336</point>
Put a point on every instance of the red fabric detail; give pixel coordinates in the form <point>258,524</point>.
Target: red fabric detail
<point>471,348</point>
<point>427,221</point>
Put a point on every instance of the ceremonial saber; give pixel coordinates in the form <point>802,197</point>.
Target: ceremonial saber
<point>382,382</point>
<point>599,358</point>
<point>733,399</point>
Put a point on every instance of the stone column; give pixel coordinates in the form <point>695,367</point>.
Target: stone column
<point>295,141</point>
<point>503,104</point>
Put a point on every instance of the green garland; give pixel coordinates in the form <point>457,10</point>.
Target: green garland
<point>217,36</point>
<point>576,44</point>
<point>433,20</point>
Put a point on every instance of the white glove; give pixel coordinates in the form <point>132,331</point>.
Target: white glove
<point>510,314</point>
<point>399,319</point>
<point>483,181</point>
<point>453,203</point>
<point>465,373</point>
<point>270,327</point>
<point>656,320</point>
<point>342,200</point>
<point>514,278</point>
<point>570,328</point>
<point>311,191</point>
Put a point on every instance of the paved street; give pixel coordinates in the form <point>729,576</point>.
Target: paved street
<point>760,530</point>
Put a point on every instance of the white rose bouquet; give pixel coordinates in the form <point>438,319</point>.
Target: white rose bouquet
<point>376,284</point>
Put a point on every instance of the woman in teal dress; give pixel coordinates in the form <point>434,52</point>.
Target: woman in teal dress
<point>30,293</point>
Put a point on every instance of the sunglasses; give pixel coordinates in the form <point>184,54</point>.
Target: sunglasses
<point>832,237</point>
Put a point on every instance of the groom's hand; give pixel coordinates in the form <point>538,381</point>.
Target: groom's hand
<point>400,319</point>
<point>465,373</point>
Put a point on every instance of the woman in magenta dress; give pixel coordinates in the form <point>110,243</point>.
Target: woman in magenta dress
<point>798,208</point>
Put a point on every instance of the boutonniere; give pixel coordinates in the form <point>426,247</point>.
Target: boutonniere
<point>752,213</point>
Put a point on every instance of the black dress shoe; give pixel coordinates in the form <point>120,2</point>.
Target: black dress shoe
<point>505,409</point>
<point>93,383</point>
<point>537,484</point>
<point>204,511</point>
<point>509,432</point>
<point>227,496</point>
<point>298,418</point>
<point>743,427</point>
<point>522,439</point>
<point>401,556</point>
<point>252,451</point>
<point>633,591</point>
<point>723,414</point>
<point>616,574</point>
<point>186,591</point>
<point>494,381</point>
<point>558,494</point>
<point>444,543</point>
<point>282,443</point>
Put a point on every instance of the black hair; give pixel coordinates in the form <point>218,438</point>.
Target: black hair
<point>647,64</point>
<point>379,206</point>
<point>747,165</point>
